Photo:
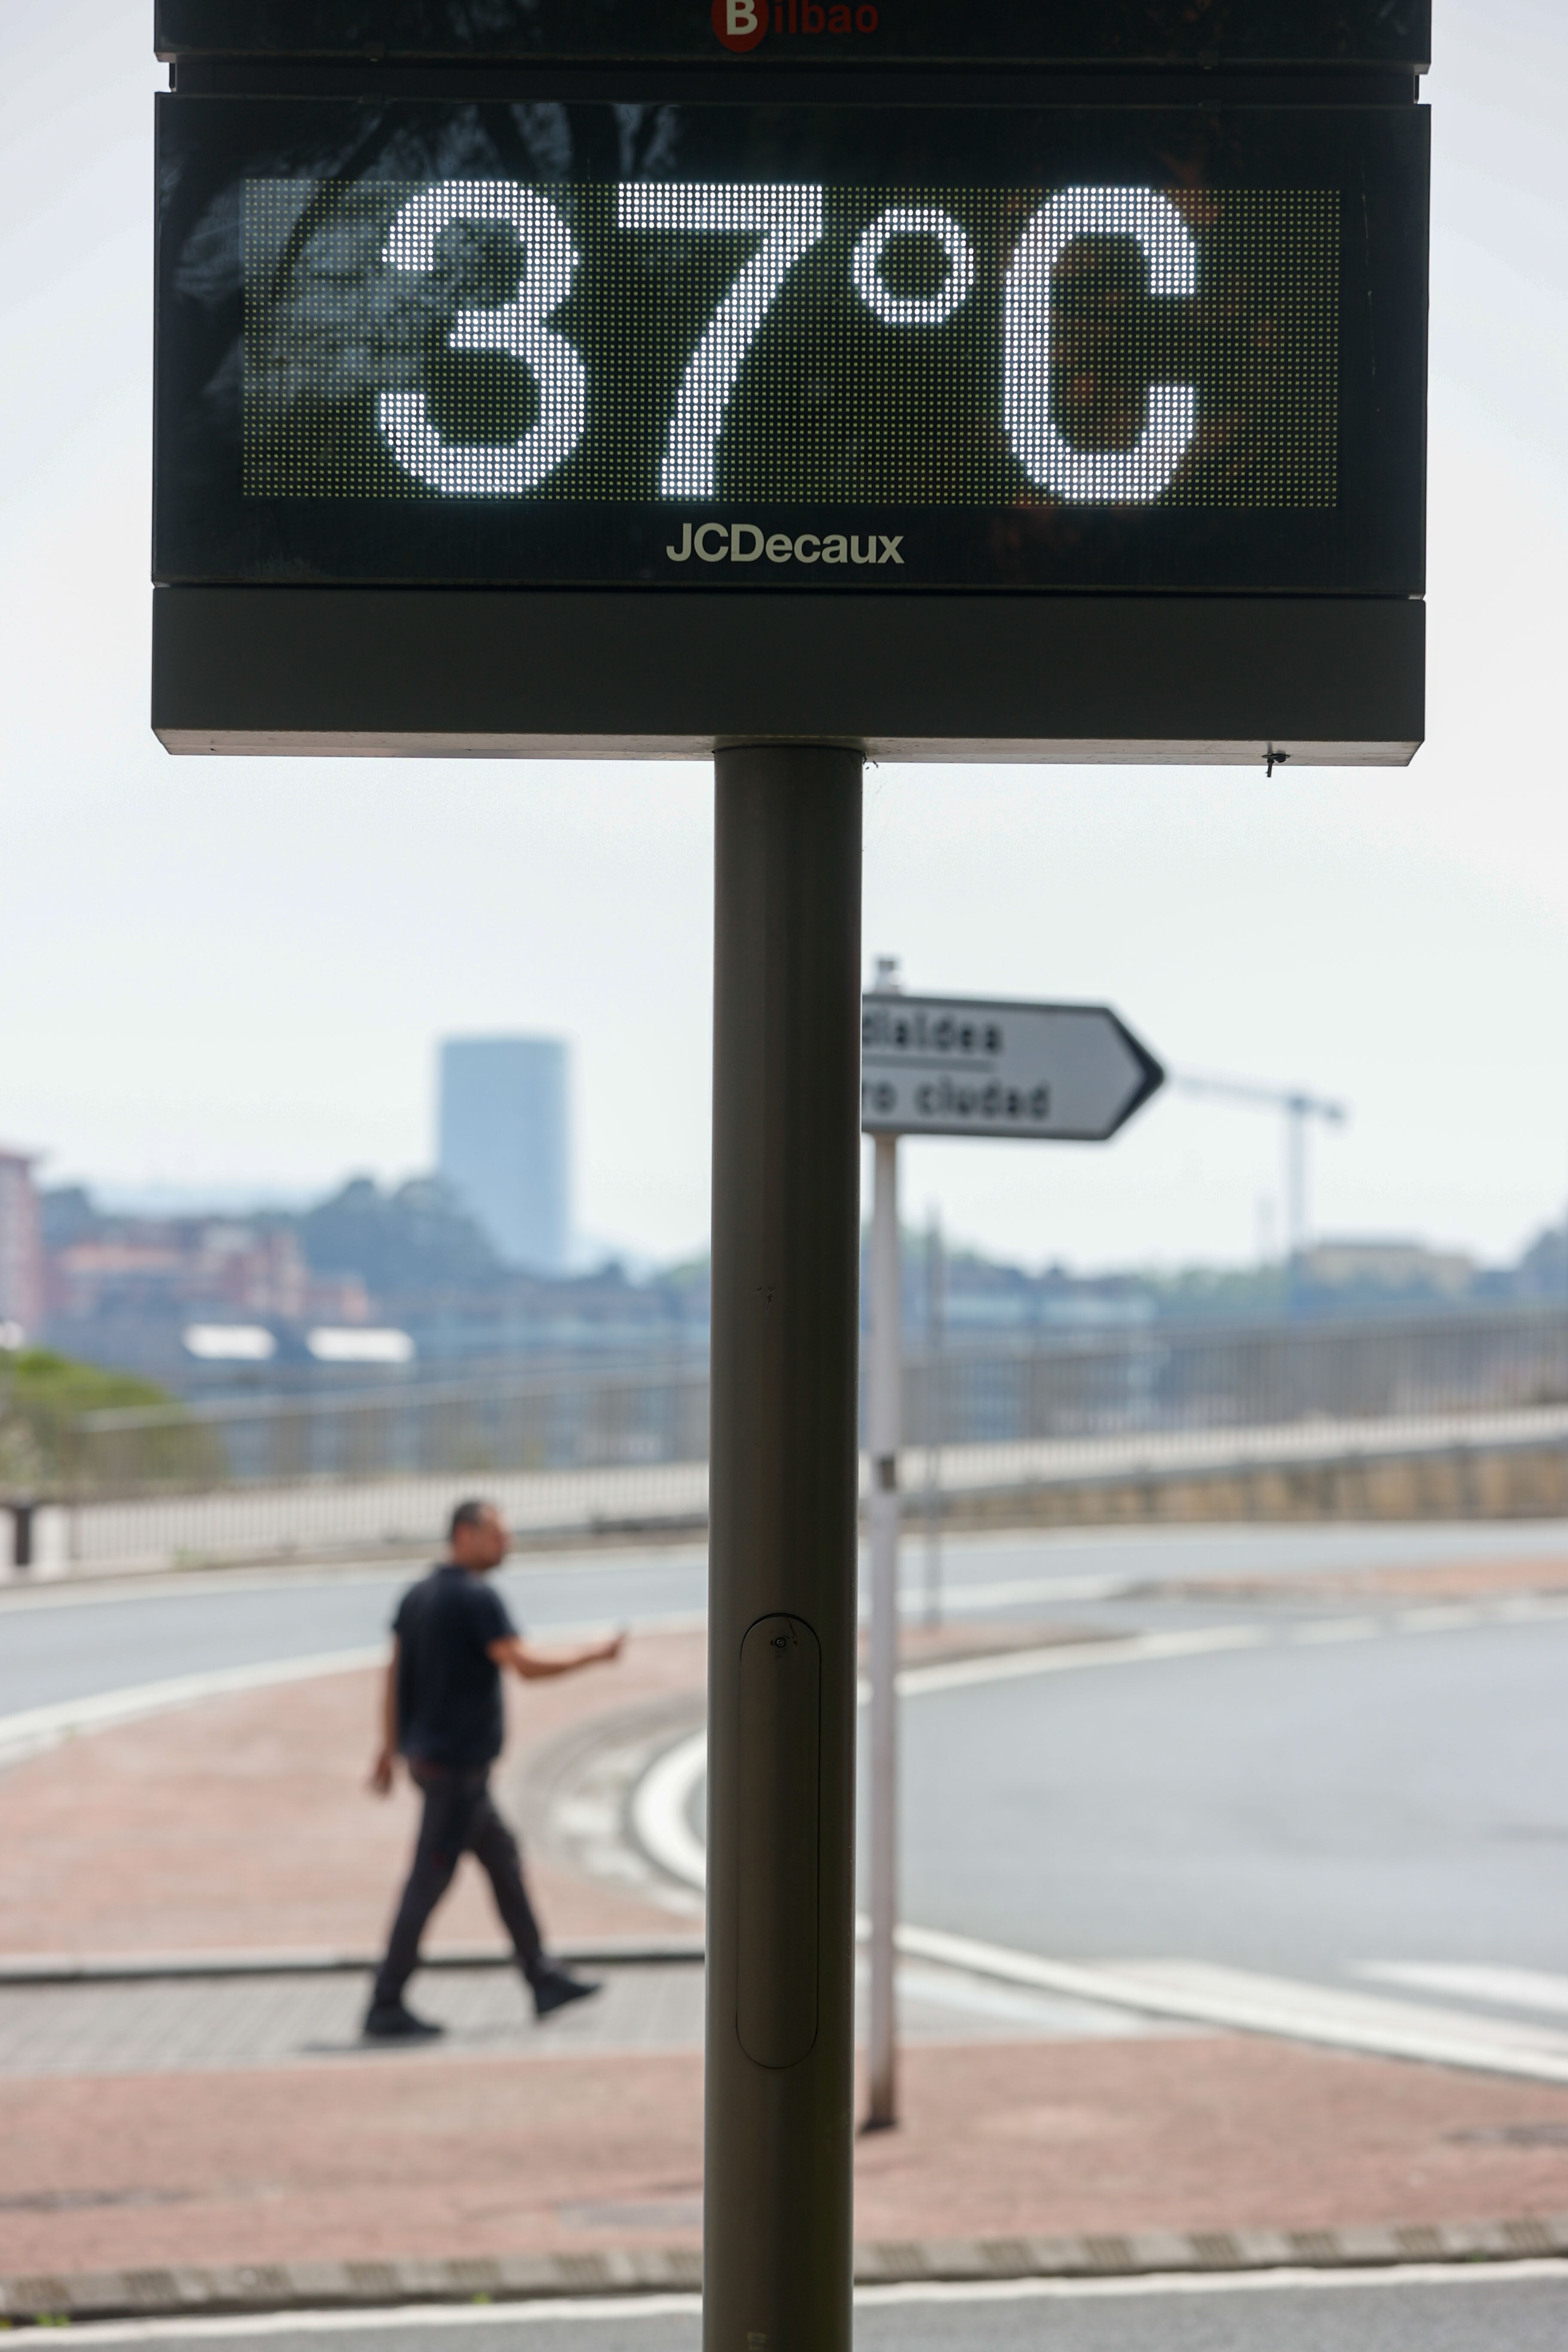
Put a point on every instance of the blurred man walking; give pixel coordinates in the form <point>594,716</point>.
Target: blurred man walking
<point>442,1712</point>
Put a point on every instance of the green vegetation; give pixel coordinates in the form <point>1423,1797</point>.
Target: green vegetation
<point>39,1381</point>
<point>42,1398</point>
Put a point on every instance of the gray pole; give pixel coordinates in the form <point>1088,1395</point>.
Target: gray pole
<point>882,1436</point>
<point>936,1284</point>
<point>1296,1113</point>
<point>781,1576</point>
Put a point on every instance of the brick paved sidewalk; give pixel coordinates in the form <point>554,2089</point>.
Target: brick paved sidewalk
<point>1456,1579</point>
<point>381,2157</point>
<point>243,1822</point>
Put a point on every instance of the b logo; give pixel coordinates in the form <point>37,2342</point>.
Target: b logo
<point>739,24</point>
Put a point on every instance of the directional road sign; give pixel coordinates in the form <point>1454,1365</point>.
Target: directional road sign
<point>972,1066</point>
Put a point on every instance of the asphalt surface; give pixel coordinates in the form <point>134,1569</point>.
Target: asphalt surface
<point>1299,1809</point>
<point>64,1642</point>
<point>1459,2312</point>
<point>76,1642</point>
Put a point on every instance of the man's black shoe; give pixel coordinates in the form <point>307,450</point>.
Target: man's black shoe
<point>388,2021</point>
<point>556,1986</point>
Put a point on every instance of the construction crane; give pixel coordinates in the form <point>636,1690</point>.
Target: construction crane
<point>1298,1106</point>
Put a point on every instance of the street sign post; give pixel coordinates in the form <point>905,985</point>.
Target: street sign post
<point>954,1066</point>
<point>787,384</point>
<point>966,1066</point>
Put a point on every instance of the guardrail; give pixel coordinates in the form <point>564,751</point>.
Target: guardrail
<point>570,1451</point>
<point>1167,1380</point>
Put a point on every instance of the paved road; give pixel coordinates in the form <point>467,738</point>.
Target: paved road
<point>73,1642</point>
<point>1461,2312</point>
<point>65,1642</point>
<point>1299,1808</point>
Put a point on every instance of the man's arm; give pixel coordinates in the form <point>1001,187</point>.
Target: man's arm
<point>537,1666</point>
<point>385,1764</point>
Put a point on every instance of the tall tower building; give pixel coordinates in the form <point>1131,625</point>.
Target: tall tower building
<point>504,1143</point>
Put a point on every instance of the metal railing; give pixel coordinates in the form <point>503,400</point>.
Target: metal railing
<point>551,1419</point>
<point>574,1448</point>
<point>1205,1379</point>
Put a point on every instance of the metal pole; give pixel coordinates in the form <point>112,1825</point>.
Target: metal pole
<point>1296,1192</point>
<point>1300,1112</point>
<point>882,1437</point>
<point>1557,1368</point>
<point>936,1277</point>
<point>782,1577</point>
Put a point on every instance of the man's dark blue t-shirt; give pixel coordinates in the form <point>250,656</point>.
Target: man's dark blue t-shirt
<point>449,1687</point>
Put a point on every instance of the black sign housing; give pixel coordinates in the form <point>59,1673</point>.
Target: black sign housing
<point>1205,34</point>
<point>621,300</point>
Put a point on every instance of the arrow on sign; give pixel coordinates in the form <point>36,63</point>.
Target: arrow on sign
<point>969,1065</point>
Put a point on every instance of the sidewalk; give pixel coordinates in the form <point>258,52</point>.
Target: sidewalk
<point>240,1824</point>
<point>383,2157</point>
<point>243,1823</point>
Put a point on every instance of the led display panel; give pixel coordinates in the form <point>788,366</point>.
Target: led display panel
<point>593,343</point>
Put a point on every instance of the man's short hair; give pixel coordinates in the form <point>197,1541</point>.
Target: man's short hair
<point>472,1514</point>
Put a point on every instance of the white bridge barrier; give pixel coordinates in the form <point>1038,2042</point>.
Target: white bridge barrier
<point>341,1517</point>
<point>575,1451</point>
<point>322,1517</point>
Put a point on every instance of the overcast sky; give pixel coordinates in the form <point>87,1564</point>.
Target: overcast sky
<point>233,973</point>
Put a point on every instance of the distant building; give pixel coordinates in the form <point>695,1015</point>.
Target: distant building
<point>128,1291</point>
<point>504,1143</point>
<point>21,1248</point>
<point>211,1265</point>
<point>1407,1267</point>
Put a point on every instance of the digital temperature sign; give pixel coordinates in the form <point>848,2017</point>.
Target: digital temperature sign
<point>901,347</point>
<point>996,379</point>
<point>794,343</point>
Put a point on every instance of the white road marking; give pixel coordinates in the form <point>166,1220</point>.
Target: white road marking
<point>1148,2283</point>
<point>1440,1617</point>
<point>34,1729</point>
<point>1511,1988</point>
<point>1339,1629</point>
<point>430,2317</point>
<point>968,1995</point>
<point>957,1596</point>
<point>1243,2002</point>
<point>660,1810</point>
<point>1074,1657</point>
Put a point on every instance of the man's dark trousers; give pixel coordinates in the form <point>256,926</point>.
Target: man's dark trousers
<point>459,1817</point>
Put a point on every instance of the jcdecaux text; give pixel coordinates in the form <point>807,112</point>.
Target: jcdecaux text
<point>743,543</point>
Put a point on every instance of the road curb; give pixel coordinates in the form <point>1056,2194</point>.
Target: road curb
<point>172,1967</point>
<point>184,2292</point>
